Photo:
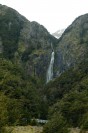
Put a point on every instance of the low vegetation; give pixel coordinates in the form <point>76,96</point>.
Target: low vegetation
<point>24,129</point>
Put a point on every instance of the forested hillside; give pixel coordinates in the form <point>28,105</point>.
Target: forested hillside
<point>69,96</point>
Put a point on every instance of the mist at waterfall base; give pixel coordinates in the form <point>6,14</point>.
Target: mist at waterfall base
<point>50,69</point>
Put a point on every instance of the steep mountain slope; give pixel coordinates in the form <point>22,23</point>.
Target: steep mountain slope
<point>25,50</point>
<point>69,92</point>
<point>31,44</point>
<point>25,53</point>
<point>25,42</point>
<point>73,45</point>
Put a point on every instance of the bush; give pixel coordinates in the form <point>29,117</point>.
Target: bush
<point>57,124</point>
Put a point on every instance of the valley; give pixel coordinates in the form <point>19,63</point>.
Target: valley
<point>42,77</point>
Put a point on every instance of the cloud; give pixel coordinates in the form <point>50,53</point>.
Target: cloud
<point>53,14</point>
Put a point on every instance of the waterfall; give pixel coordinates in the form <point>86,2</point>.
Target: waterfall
<point>50,69</point>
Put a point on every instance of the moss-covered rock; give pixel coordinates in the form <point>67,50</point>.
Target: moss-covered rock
<point>72,47</point>
<point>25,42</point>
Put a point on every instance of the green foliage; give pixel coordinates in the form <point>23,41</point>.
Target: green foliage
<point>69,94</point>
<point>84,123</point>
<point>24,99</point>
<point>10,26</point>
<point>26,53</point>
<point>3,109</point>
<point>73,78</point>
<point>3,112</point>
<point>57,124</point>
<point>73,106</point>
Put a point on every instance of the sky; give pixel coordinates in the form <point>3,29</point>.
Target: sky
<point>52,14</point>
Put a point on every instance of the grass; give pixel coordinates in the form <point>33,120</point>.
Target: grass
<point>25,129</point>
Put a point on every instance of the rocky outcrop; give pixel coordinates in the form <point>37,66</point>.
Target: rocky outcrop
<point>25,42</point>
<point>30,44</point>
<point>72,47</point>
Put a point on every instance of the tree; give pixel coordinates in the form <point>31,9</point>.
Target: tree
<point>57,124</point>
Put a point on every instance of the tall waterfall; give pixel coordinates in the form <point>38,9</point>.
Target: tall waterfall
<point>50,69</point>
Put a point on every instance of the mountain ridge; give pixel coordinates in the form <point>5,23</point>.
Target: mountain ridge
<point>72,46</point>
<point>22,39</point>
<point>26,50</point>
<point>29,43</point>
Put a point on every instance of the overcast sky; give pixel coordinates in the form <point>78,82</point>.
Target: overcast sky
<point>53,14</point>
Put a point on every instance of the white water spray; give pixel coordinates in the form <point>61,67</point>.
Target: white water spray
<point>50,69</point>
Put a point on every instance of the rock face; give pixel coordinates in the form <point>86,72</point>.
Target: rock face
<point>72,47</point>
<point>25,42</point>
<point>29,43</point>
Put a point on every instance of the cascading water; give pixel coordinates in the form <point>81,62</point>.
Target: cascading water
<point>50,69</point>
